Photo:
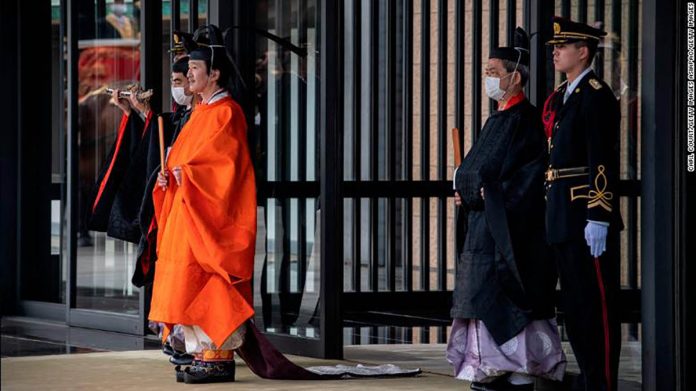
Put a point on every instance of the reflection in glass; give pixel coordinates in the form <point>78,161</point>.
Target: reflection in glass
<point>285,140</point>
<point>109,56</point>
<point>288,268</point>
<point>55,227</point>
<point>184,12</point>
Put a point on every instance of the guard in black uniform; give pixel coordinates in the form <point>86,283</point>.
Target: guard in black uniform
<point>582,123</point>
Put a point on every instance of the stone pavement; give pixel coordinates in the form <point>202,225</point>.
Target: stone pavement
<point>149,370</point>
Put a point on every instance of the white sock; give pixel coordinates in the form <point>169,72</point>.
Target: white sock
<point>520,379</point>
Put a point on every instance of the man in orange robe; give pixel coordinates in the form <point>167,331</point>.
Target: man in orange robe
<point>205,206</point>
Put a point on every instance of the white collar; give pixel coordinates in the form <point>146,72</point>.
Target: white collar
<point>217,95</point>
<point>571,86</point>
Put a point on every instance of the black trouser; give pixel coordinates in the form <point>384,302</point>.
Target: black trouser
<point>591,309</point>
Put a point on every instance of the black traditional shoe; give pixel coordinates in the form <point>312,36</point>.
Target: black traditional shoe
<point>501,384</point>
<point>168,349</point>
<point>520,387</point>
<point>494,385</point>
<point>179,373</point>
<point>209,372</point>
<point>181,359</point>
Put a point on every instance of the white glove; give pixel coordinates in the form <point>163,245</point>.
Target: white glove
<point>596,237</point>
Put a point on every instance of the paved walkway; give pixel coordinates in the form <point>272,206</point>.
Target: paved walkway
<point>149,370</point>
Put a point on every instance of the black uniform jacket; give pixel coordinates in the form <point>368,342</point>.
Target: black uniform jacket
<point>585,133</point>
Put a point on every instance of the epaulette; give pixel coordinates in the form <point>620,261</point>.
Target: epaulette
<point>595,84</point>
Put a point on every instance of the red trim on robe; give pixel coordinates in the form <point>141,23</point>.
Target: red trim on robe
<point>102,185</point>
<point>513,101</point>
<point>147,122</point>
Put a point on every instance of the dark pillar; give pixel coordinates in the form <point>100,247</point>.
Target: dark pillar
<point>685,205</point>
<point>35,160</point>
<point>244,53</point>
<point>25,154</point>
<point>539,23</point>
<point>220,12</point>
<point>151,50</point>
<point>9,159</point>
<point>331,169</point>
<point>658,214</point>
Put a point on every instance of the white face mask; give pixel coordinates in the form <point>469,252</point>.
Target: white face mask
<point>180,96</point>
<point>493,83</point>
<point>493,88</point>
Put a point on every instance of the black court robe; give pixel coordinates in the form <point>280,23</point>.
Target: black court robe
<point>122,205</point>
<point>144,271</point>
<point>505,276</point>
<point>117,166</point>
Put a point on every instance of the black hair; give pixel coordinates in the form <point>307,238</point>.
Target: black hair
<point>591,49</point>
<point>521,68</point>
<point>181,65</point>
<point>213,51</point>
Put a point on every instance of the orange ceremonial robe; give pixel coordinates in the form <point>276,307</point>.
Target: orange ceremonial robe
<point>207,226</point>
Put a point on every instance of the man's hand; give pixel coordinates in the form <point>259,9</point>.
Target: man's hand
<point>143,107</point>
<point>162,180</point>
<point>596,238</point>
<point>482,197</point>
<point>120,103</point>
<point>457,199</point>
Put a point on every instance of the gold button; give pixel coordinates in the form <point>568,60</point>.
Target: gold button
<point>551,146</point>
<point>577,90</point>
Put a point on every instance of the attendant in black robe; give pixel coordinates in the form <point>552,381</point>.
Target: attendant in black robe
<point>122,205</point>
<point>173,123</point>
<point>504,333</point>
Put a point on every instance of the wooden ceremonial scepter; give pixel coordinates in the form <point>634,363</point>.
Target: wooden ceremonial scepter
<point>457,147</point>
<point>160,122</point>
<point>460,213</point>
